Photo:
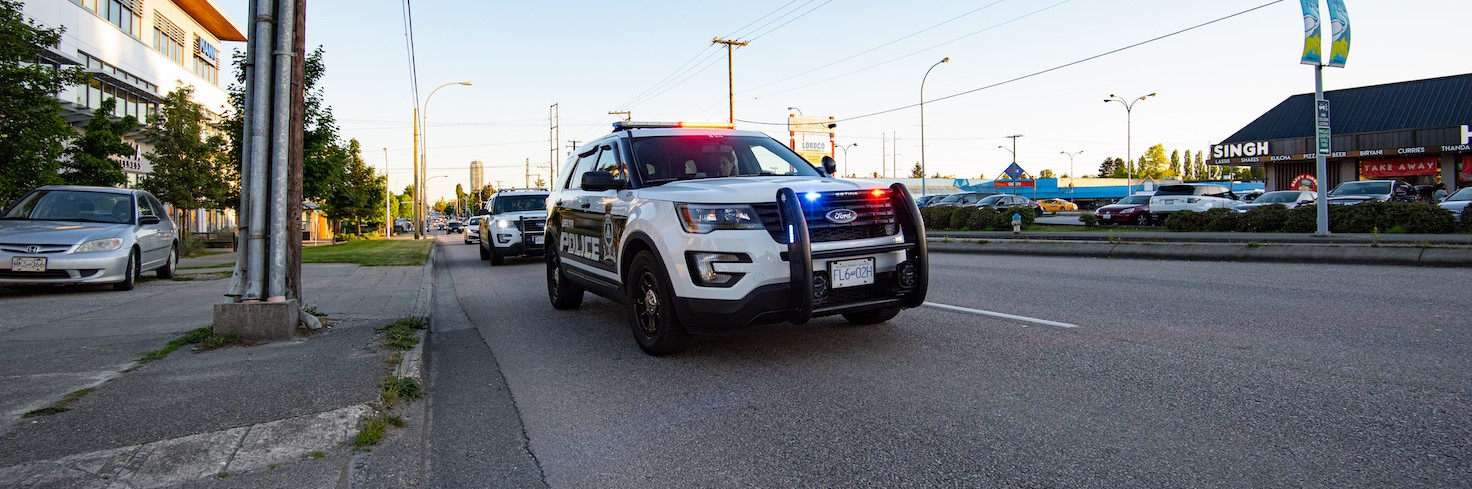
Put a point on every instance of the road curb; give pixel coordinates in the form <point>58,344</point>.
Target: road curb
<point>1251,252</point>
<point>412,362</point>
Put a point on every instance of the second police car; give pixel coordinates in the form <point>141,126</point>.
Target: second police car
<point>706,229</point>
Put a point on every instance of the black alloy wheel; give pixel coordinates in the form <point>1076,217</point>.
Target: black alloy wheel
<point>651,310</point>
<point>563,294</point>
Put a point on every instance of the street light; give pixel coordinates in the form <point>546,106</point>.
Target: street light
<point>1129,107</point>
<point>423,148</point>
<point>922,122</point>
<point>845,154</point>
<point>799,111</point>
<point>1072,191</point>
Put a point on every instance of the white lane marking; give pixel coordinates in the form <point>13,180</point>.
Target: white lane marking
<point>980,312</point>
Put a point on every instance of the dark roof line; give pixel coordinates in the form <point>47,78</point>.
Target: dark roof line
<point>1432,102</point>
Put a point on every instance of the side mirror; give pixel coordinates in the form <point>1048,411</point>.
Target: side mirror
<point>598,181</point>
<point>829,166</point>
<point>148,220</point>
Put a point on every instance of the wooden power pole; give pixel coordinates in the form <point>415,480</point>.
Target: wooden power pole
<point>730,76</point>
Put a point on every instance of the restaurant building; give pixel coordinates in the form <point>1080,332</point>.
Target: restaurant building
<point>1416,131</point>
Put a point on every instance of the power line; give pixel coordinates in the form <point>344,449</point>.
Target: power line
<point>789,21</point>
<point>1040,72</point>
<point>408,12</point>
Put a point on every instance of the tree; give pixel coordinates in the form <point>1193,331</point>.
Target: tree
<point>88,160</point>
<point>32,132</point>
<point>358,195</point>
<point>1047,173</point>
<point>917,172</point>
<point>1111,168</point>
<point>1200,166</point>
<point>1154,163</point>
<point>190,169</point>
<point>321,160</point>
<point>540,182</point>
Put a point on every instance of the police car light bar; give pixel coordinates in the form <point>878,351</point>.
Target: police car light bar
<point>621,125</point>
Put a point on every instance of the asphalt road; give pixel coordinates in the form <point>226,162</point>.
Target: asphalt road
<point>1179,374</point>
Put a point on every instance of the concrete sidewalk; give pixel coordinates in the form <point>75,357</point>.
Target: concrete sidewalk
<point>279,414</point>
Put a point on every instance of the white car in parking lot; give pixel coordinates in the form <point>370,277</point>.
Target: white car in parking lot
<point>1198,197</point>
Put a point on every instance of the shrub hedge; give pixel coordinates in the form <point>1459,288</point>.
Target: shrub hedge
<point>1369,217</point>
<point>964,218</point>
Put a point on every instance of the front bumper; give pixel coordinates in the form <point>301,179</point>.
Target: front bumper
<point>101,267</point>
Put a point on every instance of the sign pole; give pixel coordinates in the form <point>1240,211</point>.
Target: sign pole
<point>1321,164</point>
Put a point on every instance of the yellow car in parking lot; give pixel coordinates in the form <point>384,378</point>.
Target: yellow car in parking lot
<point>1056,205</point>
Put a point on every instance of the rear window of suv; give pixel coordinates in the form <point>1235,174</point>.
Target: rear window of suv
<point>1179,190</point>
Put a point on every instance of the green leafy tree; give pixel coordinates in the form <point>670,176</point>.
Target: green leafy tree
<point>1047,173</point>
<point>1111,168</point>
<point>1175,163</point>
<point>189,166</point>
<point>32,132</point>
<point>88,161</point>
<point>321,160</point>
<point>358,195</point>
<point>916,171</point>
<point>1154,164</point>
<point>406,202</point>
<point>1201,167</point>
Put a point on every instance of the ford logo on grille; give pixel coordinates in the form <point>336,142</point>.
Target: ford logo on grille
<point>841,216</point>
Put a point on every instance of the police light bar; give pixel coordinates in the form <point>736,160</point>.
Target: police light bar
<point>621,125</point>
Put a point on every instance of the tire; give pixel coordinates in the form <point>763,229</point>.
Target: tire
<point>874,316</point>
<point>562,293</point>
<point>497,259</point>
<point>170,265</point>
<point>652,317</point>
<point>484,253</point>
<point>130,276</point>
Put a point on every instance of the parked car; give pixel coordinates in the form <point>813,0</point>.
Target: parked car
<point>1251,195</point>
<point>1368,190</point>
<point>472,229</point>
<point>928,200</point>
<point>1057,205</point>
<point>1004,201</point>
<point>86,235</point>
<point>1286,198</point>
<point>1134,209</point>
<point>1198,197</point>
<point>963,198</point>
<point>1458,202</point>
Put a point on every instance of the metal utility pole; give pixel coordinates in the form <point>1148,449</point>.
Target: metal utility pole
<point>730,75</point>
<point>528,180</point>
<point>388,213</point>
<point>552,137</point>
<point>1014,157</point>
<point>418,182</point>
<point>883,153</point>
<point>572,144</point>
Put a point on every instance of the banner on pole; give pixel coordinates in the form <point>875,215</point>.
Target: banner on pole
<point>1313,43</point>
<point>1339,33</point>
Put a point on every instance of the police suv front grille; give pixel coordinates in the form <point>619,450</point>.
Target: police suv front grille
<point>875,217</point>
<point>533,225</point>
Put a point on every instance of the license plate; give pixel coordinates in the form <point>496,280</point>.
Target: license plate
<point>1167,201</point>
<point>536,239</point>
<point>28,264</point>
<point>1104,215</point>
<point>850,273</point>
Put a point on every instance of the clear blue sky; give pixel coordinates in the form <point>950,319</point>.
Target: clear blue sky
<point>845,58</point>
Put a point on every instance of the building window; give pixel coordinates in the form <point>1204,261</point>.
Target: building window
<point>170,48</point>
<point>128,101</point>
<point>206,71</point>
<point>117,13</point>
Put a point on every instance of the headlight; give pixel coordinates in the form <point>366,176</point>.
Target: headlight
<point>704,218</point>
<point>503,224</point>
<point>107,244</point>
<point>1127,210</point>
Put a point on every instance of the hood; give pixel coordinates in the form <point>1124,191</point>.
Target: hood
<point>57,232</point>
<point>748,189</point>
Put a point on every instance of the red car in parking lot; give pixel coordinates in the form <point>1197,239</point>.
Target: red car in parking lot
<point>1134,209</point>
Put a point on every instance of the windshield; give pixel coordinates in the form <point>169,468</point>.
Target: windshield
<point>1278,197</point>
<point>518,203</point>
<point>1135,199</point>
<point>1362,188</point>
<point>1464,194</point>
<point>661,159</point>
<point>73,205</point>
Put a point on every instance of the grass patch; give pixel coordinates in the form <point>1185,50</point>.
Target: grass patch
<point>371,252</point>
<point>204,337</point>
<point>60,406</point>
<point>395,388</point>
<point>374,428</point>
<point>401,334</point>
<point>319,454</point>
<point>394,360</point>
<point>1254,244</point>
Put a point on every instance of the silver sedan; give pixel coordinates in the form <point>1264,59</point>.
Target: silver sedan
<point>86,235</point>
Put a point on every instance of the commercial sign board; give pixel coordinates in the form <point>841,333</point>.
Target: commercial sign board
<point>1400,167</point>
<point>1237,150</point>
<point>811,136</point>
<point>1305,182</point>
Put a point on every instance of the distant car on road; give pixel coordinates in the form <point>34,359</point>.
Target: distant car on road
<point>1376,190</point>
<point>1134,209</point>
<point>1285,198</point>
<point>472,229</point>
<point>453,226</point>
<point>86,235</point>
<point>1458,202</point>
<point>1057,205</point>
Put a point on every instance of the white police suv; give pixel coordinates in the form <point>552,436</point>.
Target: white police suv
<point>707,229</point>
<point>514,225</point>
